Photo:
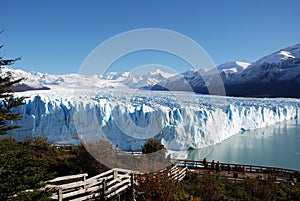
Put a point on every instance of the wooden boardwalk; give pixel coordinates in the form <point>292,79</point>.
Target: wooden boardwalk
<point>193,164</point>
<point>237,171</point>
<point>117,181</point>
<point>103,186</point>
<point>79,187</point>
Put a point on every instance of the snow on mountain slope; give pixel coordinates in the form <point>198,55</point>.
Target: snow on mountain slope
<point>233,67</point>
<point>151,78</point>
<point>280,56</point>
<point>286,60</point>
<point>275,75</point>
<point>198,80</point>
<point>179,120</point>
<point>36,80</point>
<point>281,62</point>
<point>30,83</point>
<point>136,80</point>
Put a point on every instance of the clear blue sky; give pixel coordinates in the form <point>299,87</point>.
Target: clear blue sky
<point>56,36</point>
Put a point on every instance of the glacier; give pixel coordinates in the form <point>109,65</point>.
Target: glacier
<point>180,120</point>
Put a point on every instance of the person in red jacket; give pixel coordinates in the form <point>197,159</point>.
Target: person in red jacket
<point>213,165</point>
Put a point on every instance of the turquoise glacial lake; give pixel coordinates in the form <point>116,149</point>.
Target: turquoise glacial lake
<point>277,145</point>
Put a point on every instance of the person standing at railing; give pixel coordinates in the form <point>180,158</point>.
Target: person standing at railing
<point>244,170</point>
<point>213,165</point>
<point>218,167</point>
<point>205,163</point>
<point>228,168</point>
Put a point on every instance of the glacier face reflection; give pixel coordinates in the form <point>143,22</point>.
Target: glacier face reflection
<point>276,145</point>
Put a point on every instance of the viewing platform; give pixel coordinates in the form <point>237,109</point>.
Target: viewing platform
<point>115,182</point>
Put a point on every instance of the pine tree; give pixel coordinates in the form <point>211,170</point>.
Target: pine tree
<point>7,100</point>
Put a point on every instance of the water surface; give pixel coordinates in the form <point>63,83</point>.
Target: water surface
<point>277,145</point>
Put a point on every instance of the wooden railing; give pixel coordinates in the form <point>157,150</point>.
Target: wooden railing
<point>116,181</point>
<point>192,164</point>
<point>177,174</point>
<point>104,186</point>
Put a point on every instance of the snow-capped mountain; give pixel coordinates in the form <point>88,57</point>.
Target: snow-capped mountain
<point>281,56</point>
<point>179,120</point>
<point>136,80</point>
<point>198,80</point>
<point>233,67</point>
<point>30,82</point>
<point>275,75</point>
<point>45,81</point>
<point>284,63</point>
<point>153,77</point>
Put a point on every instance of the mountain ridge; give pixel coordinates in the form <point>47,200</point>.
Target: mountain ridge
<point>274,75</point>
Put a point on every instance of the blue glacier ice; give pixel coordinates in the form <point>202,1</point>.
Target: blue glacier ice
<point>180,120</point>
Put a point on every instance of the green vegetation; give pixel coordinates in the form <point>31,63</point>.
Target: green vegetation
<point>20,169</point>
<point>28,164</point>
<point>8,101</point>
<point>196,187</point>
<point>152,146</point>
<point>154,186</point>
<point>209,187</point>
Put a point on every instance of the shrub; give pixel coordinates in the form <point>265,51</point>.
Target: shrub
<point>152,146</point>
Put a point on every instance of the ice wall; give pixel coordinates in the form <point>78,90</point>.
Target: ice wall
<point>180,121</point>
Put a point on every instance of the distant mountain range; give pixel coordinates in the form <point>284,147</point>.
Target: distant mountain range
<point>111,80</point>
<point>275,75</point>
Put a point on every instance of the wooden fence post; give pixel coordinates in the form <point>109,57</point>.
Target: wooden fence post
<point>84,182</point>
<point>103,183</point>
<point>115,174</point>
<point>59,194</point>
<point>132,185</point>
